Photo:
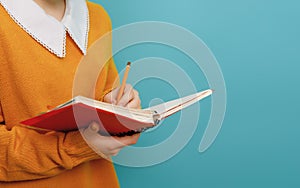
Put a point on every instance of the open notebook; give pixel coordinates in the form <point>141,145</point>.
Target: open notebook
<point>114,120</point>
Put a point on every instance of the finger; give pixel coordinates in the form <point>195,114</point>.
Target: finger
<point>118,142</point>
<point>115,152</point>
<point>94,127</point>
<point>127,140</point>
<point>135,102</point>
<point>92,130</point>
<point>121,142</point>
<point>110,97</point>
<point>127,88</point>
<point>114,94</point>
<point>127,96</point>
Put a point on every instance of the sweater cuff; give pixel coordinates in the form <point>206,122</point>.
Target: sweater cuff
<point>77,148</point>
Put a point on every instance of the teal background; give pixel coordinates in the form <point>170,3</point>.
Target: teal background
<point>257,45</point>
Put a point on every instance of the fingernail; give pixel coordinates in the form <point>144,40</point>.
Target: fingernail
<point>94,127</point>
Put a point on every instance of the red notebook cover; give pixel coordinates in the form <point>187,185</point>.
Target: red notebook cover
<point>79,115</point>
<point>115,120</point>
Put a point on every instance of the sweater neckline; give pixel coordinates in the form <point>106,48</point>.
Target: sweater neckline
<point>48,31</point>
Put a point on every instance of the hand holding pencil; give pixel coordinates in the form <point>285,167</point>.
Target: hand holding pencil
<point>124,95</point>
<point>106,146</point>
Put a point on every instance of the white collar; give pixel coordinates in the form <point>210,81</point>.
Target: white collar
<point>48,31</point>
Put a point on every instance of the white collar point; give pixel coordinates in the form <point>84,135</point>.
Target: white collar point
<point>48,31</point>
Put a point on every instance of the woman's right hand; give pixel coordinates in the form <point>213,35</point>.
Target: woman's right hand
<point>106,146</point>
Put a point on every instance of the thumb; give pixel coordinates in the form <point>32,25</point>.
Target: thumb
<point>92,129</point>
<point>110,98</point>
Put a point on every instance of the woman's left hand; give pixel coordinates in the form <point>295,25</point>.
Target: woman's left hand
<point>130,97</point>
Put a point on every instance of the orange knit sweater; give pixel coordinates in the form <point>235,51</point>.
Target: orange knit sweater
<point>32,78</point>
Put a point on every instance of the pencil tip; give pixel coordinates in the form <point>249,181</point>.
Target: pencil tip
<point>129,63</point>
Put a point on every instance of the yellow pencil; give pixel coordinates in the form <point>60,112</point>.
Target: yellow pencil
<point>121,91</point>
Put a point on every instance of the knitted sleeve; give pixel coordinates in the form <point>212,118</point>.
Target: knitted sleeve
<point>27,155</point>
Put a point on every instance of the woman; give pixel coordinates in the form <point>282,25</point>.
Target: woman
<point>41,45</point>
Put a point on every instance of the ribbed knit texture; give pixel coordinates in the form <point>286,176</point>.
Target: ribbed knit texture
<point>32,78</point>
